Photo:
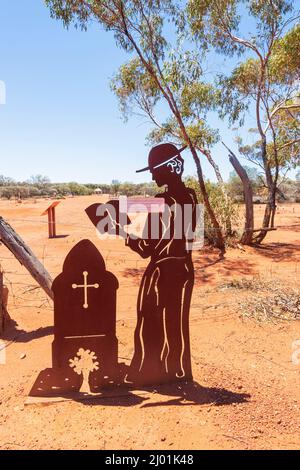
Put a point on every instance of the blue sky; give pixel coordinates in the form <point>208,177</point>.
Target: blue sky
<point>60,118</point>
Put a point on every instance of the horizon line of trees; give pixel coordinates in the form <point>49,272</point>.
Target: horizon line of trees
<point>41,186</point>
<point>169,47</point>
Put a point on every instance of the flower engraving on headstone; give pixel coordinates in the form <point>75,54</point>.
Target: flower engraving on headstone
<point>83,364</point>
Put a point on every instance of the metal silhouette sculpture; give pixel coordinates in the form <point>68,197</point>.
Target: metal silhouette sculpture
<point>161,339</point>
<point>85,347</point>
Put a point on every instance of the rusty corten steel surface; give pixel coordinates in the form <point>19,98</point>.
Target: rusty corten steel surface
<point>161,338</point>
<point>85,346</point>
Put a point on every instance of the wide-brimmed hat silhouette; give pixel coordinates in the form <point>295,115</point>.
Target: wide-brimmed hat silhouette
<point>161,155</point>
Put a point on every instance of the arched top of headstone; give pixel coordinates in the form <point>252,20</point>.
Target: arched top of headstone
<point>84,254</point>
<point>84,292</point>
<point>83,260</point>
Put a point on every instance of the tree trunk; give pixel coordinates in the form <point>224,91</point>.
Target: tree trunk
<point>85,387</point>
<point>269,215</point>
<point>168,95</point>
<point>246,238</point>
<point>213,164</point>
<point>2,314</point>
<point>222,186</point>
<point>25,256</point>
<point>270,210</point>
<point>218,237</point>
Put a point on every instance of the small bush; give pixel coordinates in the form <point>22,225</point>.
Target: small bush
<point>223,206</point>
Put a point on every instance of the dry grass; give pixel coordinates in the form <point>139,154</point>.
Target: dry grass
<point>270,300</point>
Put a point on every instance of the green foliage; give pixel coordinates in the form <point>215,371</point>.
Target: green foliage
<point>159,70</point>
<point>5,181</point>
<point>224,207</point>
<point>112,15</point>
<point>198,97</point>
<point>199,132</point>
<point>137,90</point>
<point>245,77</point>
<point>39,181</point>
<point>235,186</point>
<point>78,189</point>
<point>284,151</point>
<point>143,189</point>
<point>167,42</point>
<point>133,82</point>
<point>290,189</point>
<point>285,59</point>
<point>265,83</point>
<point>206,20</point>
<point>282,72</point>
<point>11,189</point>
<point>217,23</point>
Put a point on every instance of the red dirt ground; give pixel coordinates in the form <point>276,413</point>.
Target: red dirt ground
<point>246,393</point>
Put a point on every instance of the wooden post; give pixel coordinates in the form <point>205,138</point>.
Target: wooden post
<point>50,212</point>
<point>50,223</point>
<point>4,316</point>
<point>25,256</point>
<point>53,222</point>
<point>1,303</point>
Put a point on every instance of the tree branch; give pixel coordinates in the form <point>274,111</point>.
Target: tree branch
<point>279,108</point>
<point>288,144</point>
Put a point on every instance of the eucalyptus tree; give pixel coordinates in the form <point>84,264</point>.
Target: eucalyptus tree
<point>265,83</point>
<point>159,69</point>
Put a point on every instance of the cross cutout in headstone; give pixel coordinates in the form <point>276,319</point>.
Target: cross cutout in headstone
<point>85,286</point>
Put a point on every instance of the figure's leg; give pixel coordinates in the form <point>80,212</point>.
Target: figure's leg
<point>177,322</point>
<point>174,334</point>
<point>149,339</point>
<point>138,347</point>
<point>187,296</point>
<point>152,334</point>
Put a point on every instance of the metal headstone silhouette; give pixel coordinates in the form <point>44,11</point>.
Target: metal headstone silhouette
<point>85,347</point>
<point>161,339</point>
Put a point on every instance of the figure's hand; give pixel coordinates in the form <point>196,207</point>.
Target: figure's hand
<point>120,230</point>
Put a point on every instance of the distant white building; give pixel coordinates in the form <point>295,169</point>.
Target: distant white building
<point>98,191</point>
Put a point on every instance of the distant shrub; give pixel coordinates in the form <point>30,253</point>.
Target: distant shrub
<point>8,192</point>
<point>224,207</point>
<point>79,189</point>
<point>34,192</point>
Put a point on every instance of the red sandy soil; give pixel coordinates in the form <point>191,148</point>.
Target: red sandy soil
<point>246,393</point>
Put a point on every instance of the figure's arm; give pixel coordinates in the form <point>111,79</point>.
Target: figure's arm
<point>160,235</point>
<point>139,245</point>
<point>145,246</point>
